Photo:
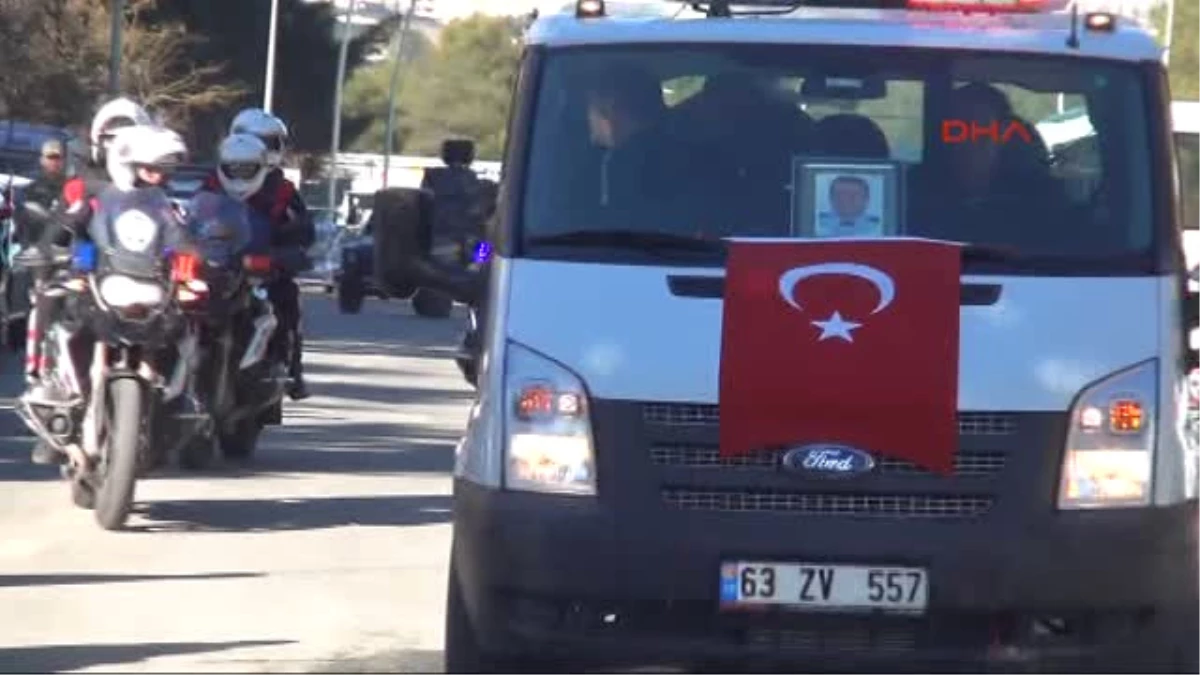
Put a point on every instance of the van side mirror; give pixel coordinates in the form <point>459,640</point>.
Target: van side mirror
<point>403,243</point>
<point>353,217</point>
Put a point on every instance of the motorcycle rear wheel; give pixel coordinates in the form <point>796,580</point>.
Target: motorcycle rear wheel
<point>114,498</point>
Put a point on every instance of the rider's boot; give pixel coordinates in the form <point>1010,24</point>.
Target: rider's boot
<point>297,388</point>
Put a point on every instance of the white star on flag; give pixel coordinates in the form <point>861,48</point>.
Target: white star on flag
<point>836,327</point>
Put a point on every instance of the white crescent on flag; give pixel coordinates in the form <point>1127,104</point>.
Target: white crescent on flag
<point>882,282</point>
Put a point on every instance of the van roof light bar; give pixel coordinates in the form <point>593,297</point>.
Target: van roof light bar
<point>723,9</point>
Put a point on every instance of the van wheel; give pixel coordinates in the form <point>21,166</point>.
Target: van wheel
<point>461,648</point>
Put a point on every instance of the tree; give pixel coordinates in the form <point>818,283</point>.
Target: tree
<point>59,73</point>
<point>1185,51</point>
<point>461,88</point>
<point>235,33</point>
<point>365,100</point>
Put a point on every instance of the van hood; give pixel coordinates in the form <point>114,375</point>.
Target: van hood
<point>623,330</point>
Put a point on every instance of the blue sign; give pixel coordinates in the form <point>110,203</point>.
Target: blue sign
<point>828,460</point>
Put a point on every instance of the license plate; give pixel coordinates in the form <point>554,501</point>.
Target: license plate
<point>848,588</point>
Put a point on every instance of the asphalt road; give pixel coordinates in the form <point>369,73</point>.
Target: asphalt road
<point>326,553</point>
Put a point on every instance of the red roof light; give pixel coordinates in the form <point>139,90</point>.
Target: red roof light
<point>979,6</point>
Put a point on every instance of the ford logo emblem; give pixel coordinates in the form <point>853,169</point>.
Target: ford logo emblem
<point>828,460</point>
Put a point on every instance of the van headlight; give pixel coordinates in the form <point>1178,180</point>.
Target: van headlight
<point>135,230</point>
<point>1109,458</point>
<point>118,290</point>
<point>548,432</point>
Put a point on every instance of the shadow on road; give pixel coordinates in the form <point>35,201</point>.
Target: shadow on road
<point>267,515</point>
<point>391,661</point>
<point>59,658</point>
<point>68,579</point>
<point>390,393</point>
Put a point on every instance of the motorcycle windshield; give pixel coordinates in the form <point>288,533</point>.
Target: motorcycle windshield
<point>134,231</point>
<point>221,227</point>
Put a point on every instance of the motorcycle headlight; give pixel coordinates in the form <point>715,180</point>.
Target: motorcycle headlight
<point>118,290</point>
<point>135,230</point>
<point>1109,458</point>
<point>548,431</point>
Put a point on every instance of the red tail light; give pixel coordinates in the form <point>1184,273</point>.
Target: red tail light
<point>185,267</point>
<point>257,264</point>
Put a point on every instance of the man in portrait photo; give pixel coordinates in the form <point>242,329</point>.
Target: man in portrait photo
<point>848,212</point>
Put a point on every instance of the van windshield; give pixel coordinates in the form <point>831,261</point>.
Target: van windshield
<point>1045,157</point>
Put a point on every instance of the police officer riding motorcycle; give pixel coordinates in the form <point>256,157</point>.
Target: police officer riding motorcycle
<point>113,395</point>
<point>292,230</point>
<point>55,231</point>
<point>241,380</point>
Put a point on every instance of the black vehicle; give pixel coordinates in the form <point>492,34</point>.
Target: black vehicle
<point>239,382</point>
<point>122,355</point>
<point>353,277</point>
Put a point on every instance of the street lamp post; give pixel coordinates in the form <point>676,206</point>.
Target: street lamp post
<point>397,66</point>
<point>116,27</point>
<point>337,105</point>
<point>269,86</point>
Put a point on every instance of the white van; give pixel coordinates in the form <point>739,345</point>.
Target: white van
<point>759,388</point>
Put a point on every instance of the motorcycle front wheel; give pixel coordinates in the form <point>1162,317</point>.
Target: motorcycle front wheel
<point>114,498</point>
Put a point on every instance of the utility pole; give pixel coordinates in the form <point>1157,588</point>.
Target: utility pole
<point>1170,30</point>
<point>337,105</point>
<point>397,66</point>
<point>116,28</point>
<point>269,86</point>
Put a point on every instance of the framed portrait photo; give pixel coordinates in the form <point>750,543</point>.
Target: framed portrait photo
<point>840,200</point>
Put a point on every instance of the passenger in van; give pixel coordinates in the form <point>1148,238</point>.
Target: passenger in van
<point>644,176</point>
<point>987,192</point>
<point>848,135</point>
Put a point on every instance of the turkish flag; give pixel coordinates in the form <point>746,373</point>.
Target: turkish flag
<point>852,342</point>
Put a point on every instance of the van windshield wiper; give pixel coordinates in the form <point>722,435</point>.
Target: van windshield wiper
<point>651,241</point>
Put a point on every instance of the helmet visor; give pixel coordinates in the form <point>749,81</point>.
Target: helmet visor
<point>240,171</point>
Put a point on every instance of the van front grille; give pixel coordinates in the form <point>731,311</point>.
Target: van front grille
<point>819,504</point>
<point>698,414</point>
<point>977,464</point>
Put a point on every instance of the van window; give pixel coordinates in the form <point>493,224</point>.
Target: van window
<point>1047,157</point>
<point>1188,153</point>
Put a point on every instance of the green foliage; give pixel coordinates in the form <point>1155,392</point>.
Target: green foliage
<point>1185,51</point>
<point>235,33</point>
<point>459,88</point>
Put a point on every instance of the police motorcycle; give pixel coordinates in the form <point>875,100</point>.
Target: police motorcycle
<point>241,384</point>
<point>122,356</point>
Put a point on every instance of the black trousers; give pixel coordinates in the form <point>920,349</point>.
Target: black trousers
<point>287,342</point>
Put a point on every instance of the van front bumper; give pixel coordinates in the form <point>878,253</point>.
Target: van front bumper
<point>630,578</point>
<point>545,575</point>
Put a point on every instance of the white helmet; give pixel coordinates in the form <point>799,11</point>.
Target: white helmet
<point>143,145</point>
<point>242,165</point>
<point>117,113</point>
<point>268,128</point>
